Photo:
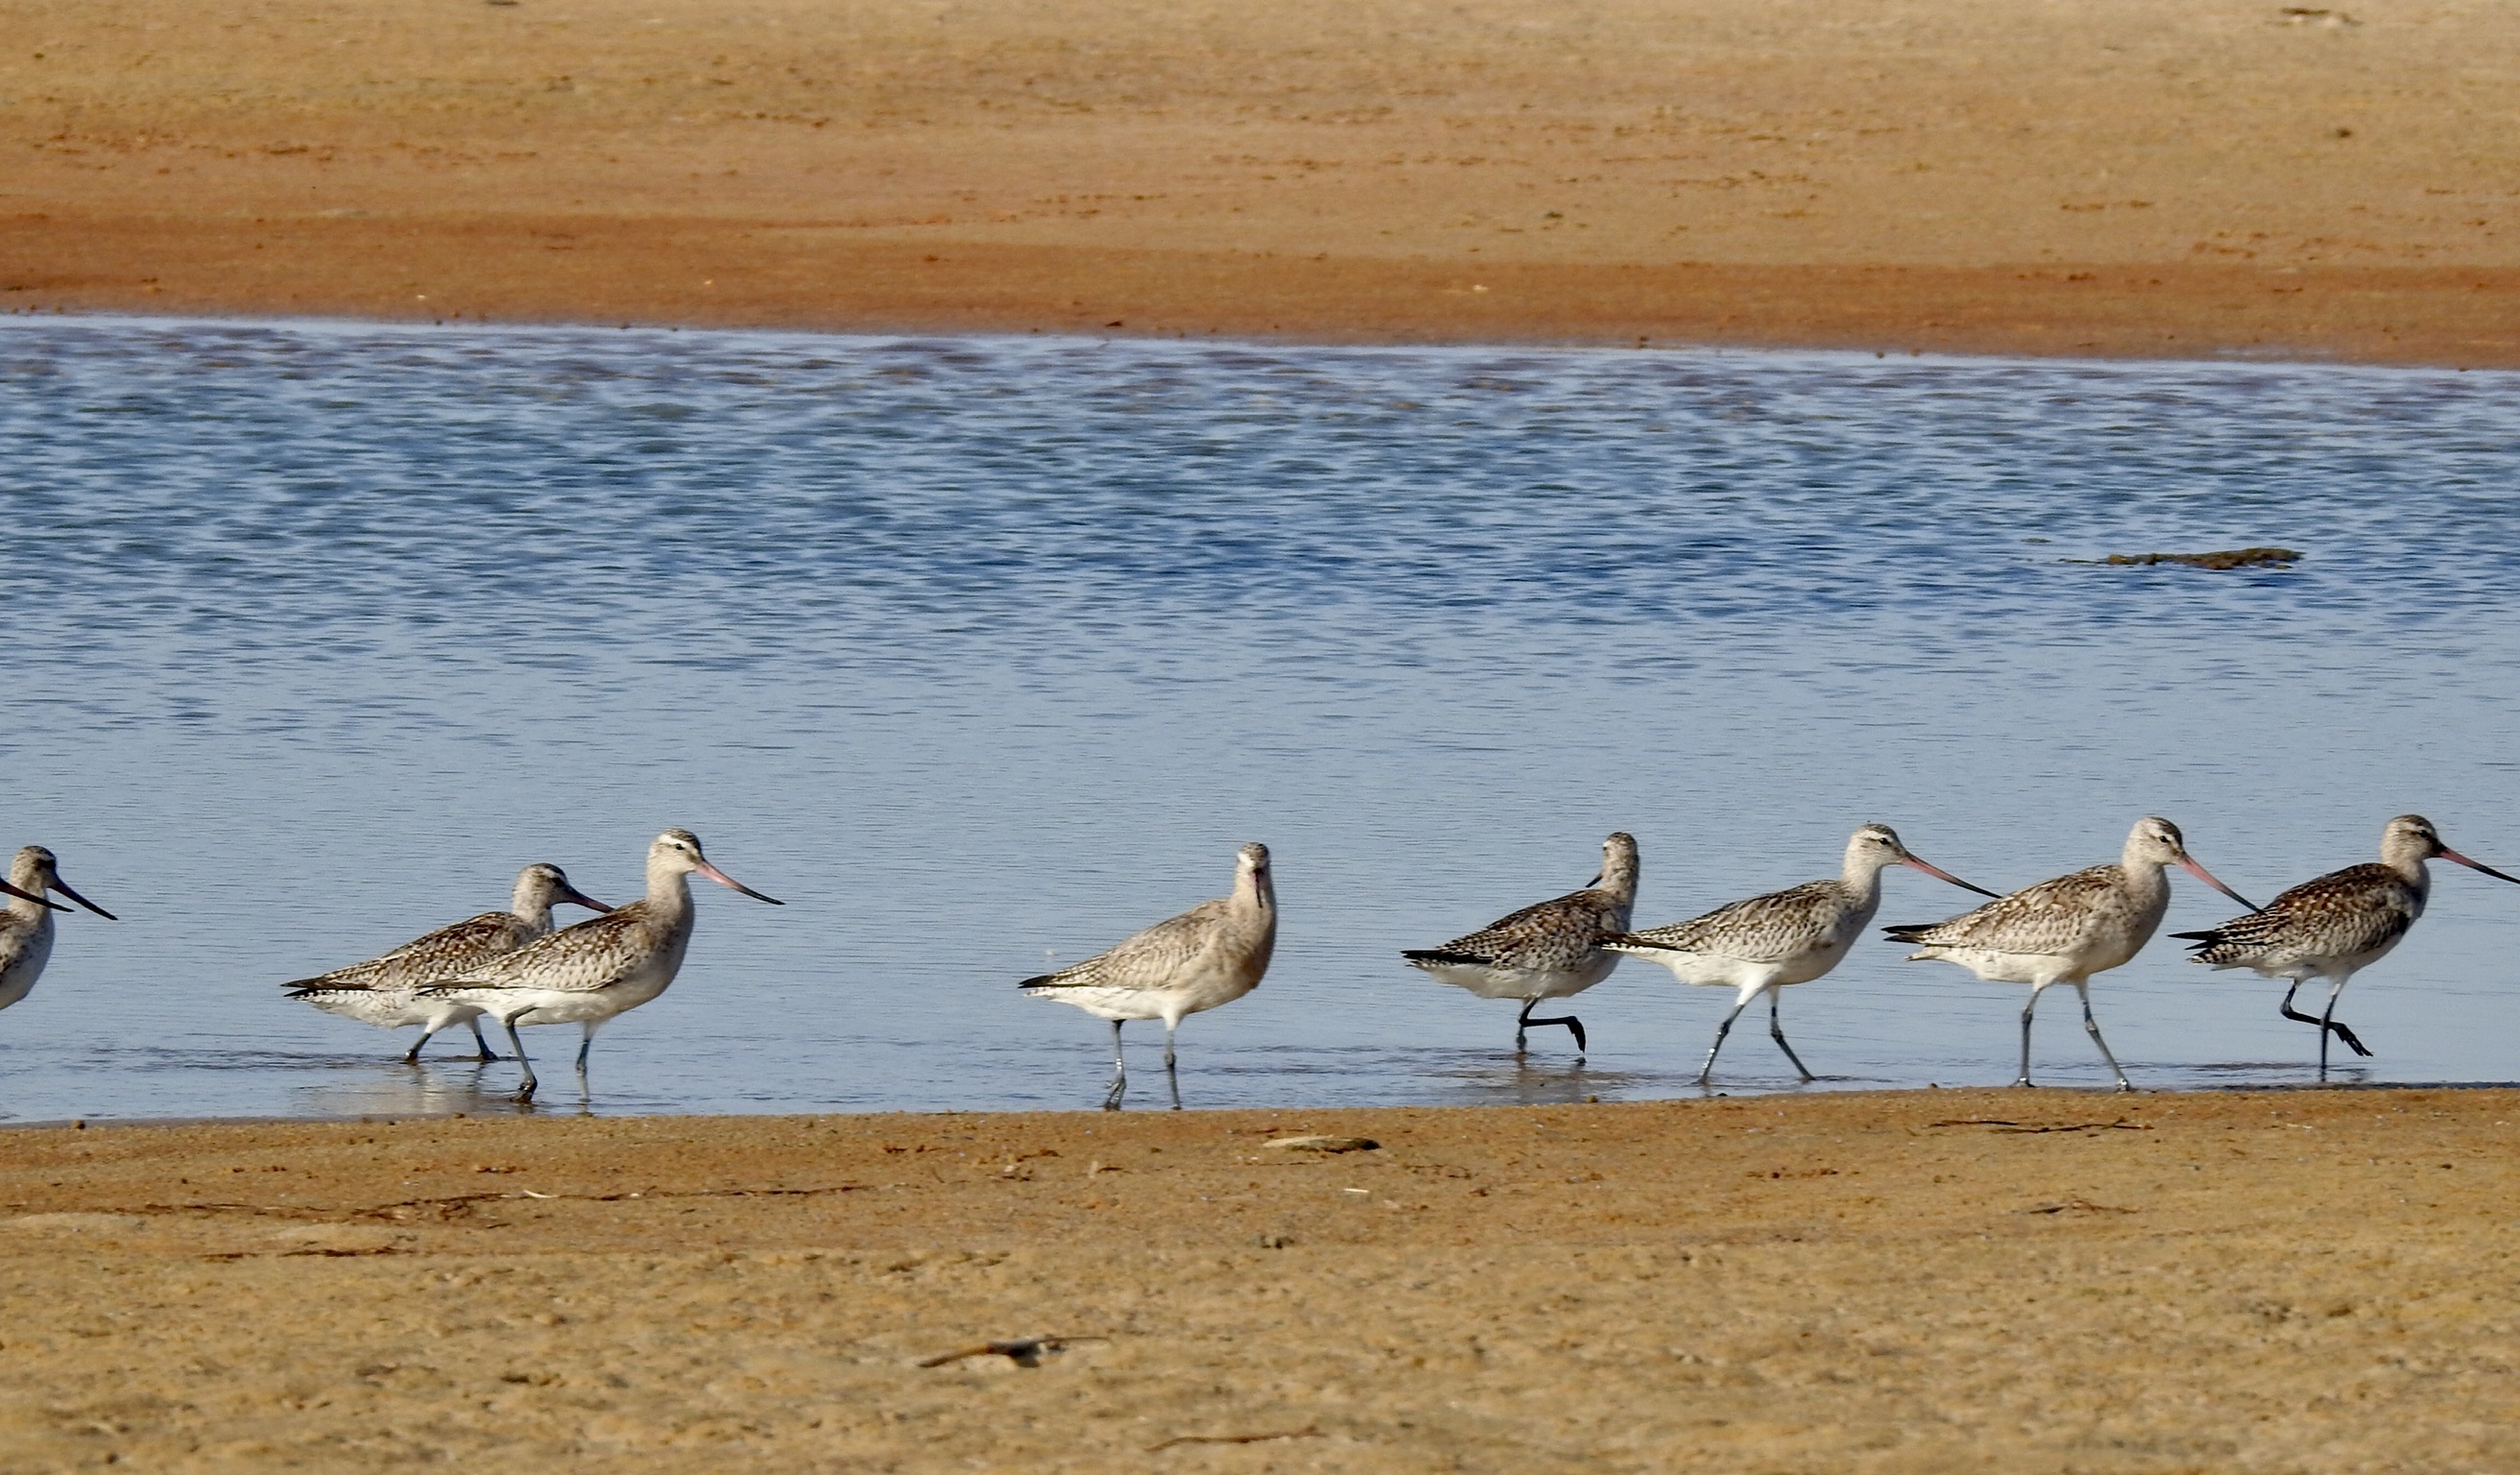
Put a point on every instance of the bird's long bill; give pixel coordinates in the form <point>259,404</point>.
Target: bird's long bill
<point>29,896</point>
<point>59,886</point>
<point>583,899</point>
<point>2189,865</point>
<point>1939,873</point>
<point>2449,854</point>
<point>732,884</point>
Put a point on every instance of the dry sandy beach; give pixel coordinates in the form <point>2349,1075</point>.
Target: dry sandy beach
<point>2148,177</point>
<point>1927,1281</point>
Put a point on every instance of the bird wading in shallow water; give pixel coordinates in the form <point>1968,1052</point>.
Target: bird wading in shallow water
<point>2067,929</point>
<point>385,990</point>
<point>586,974</point>
<point>1760,945</point>
<point>1210,954</point>
<point>2337,924</point>
<point>27,924</point>
<point>1549,951</point>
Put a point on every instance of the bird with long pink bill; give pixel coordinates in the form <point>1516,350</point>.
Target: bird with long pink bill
<point>2066,930</point>
<point>591,972</point>
<point>27,924</point>
<point>1761,945</point>
<point>385,990</point>
<point>2335,925</point>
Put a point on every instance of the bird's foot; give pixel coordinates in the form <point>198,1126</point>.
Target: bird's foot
<point>2345,1037</point>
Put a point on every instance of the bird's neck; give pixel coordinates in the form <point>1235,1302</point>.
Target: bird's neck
<point>669,893</point>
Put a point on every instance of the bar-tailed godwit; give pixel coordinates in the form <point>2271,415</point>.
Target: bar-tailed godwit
<point>1210,954</point>
<point>2337,924</point>
<point>385,992</point>
<point>588,974</point>
<point>2067,929</point>
<point>1760,945</point>
<point>27,924</point>
<point>1549,951</point>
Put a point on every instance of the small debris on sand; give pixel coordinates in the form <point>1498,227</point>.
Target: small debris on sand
<point>1322,1144</point>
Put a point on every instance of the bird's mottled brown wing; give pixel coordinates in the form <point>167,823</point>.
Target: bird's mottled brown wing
<point>1766,929</point>
<point>2048,917</point>
<point>1147,959</point>
<point>447,953</point>
<point>2344,914</point>
<point>1560,933</point>
<point>584,959</point>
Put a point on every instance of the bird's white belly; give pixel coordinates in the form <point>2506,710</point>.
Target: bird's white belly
<point>1496,981</point>
<point>2006,967</point>
<point>394,1010</point>
<point>19,969</point>
<point>1215,983</point>
<point>1716,971</point>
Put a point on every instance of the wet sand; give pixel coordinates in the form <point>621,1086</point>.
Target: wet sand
<point>1926,1281</point>
<point>2154,177</point>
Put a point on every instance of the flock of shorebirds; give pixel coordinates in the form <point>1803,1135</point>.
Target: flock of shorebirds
<point>513,968</point>
<point>2062,930</point>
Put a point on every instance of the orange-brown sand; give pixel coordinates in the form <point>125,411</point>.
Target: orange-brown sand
<point>1928,1282</point>
<point>2144,177</point>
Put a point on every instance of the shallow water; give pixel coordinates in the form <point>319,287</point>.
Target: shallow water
<point>982,652</point>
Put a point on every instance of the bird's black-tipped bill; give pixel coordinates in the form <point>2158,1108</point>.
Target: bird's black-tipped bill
<point>1940,873</point>
<point>29,896</point>
<point>2449,854</point>
<point>732,884</point>
<point>59,886</point>
<point>2189,865</point>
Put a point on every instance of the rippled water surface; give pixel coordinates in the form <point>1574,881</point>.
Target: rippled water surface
<point>983,652</point>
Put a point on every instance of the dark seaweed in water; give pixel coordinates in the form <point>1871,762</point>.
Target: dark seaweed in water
<point>2233,557</point>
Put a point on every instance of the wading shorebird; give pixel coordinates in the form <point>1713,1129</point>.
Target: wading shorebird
<point>1550,950</point>
<point>26,925</point>
<point>588,974</point>
<point>385,990</point>
<point>1760,945</point>
<point>2337,924</point>
<point>1210,954</point>
<point>2067,929</point>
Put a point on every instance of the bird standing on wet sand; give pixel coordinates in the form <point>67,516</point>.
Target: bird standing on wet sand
<point>1760,945</point>
<point>26,925</point>
<point>2337,924</point>
<point>2066,930</point>
<point>588,974</point>
<point>1549,951</point>
<point>1210,954</point>
<point>385,990</point>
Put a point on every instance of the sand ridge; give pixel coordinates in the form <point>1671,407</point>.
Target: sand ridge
<point>2156,177</point>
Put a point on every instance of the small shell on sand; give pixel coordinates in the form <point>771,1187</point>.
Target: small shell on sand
<point>1322,1144</point>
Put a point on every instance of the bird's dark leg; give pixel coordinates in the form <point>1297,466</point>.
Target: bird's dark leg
<point>1574,1026</point>
<point>481,1043</point>
<point>2026,1010</point>
<point>583,1046</point>
<point>1707,1070</point>
<point>1777,1030</point>
<point>1171,1075</point>
<point>2326,1026</point>
<point>1119,1072</point>
<point>2092,1027</point>
<point>525,1091</point>
<point>412,1056</point>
